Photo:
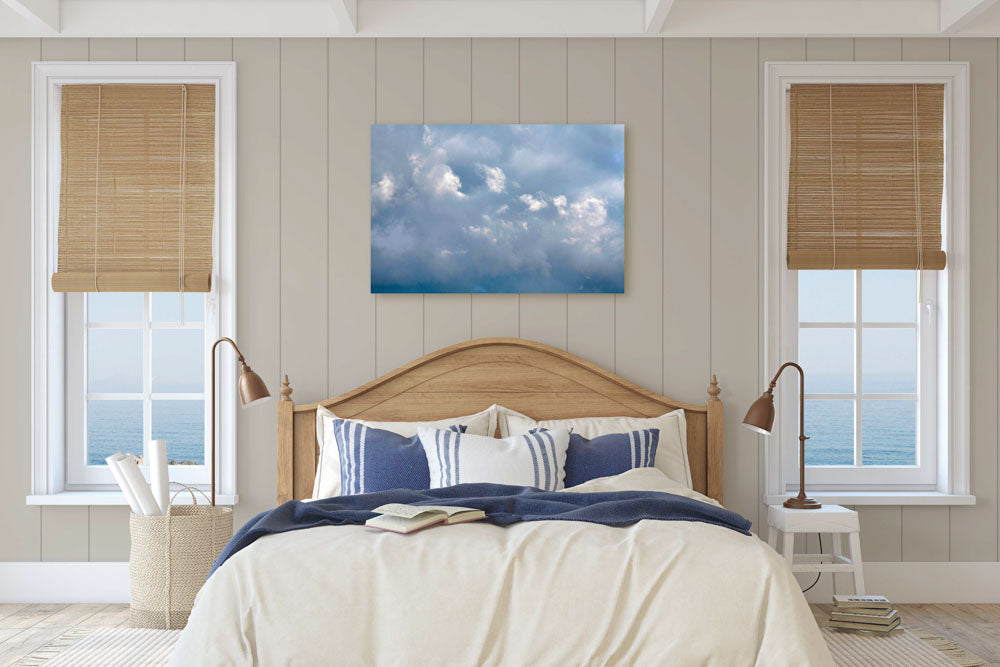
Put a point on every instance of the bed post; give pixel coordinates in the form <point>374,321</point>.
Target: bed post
<point>714,450</point>
<point>285,460</point>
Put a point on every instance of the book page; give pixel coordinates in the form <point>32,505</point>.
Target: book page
<point>406,511</point>
<point>450,511</point>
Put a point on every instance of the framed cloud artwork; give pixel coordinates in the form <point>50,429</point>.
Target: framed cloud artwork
<point>498,208</point>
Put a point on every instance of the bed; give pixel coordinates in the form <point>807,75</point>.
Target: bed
<point>546,592</point>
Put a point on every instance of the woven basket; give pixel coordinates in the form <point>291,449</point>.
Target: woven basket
<point>170,559</point>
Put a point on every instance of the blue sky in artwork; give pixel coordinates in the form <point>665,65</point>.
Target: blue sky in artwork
<point>498,208</point>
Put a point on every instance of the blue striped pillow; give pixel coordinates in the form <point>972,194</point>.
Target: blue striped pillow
<point>372,459</point>
<point>608,455</point>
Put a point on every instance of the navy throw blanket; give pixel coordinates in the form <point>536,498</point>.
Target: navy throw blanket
<point>502,503</point>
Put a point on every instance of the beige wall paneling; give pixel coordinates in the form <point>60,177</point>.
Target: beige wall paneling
<point>65,49</point>
<point>21,524</point>
<point>924,530</point>
<point>543,100</point>
<point>974,529</point>
<point>881,532</point>
<point>639,312</point>
<point>590,95</point>
<point>924,534</point>
<point>62,537</point>
<point>495,100</point>
<point>735,308</point>
<point>112,49</point>
<point>160,49</point>
<point>926,48</point>
<point>214,48</point>
<point>352,305</point>
<point>447,99</point>
<point>687,200</point>
<point>109,533</point>
<point>778,49</point>
<point>258,267</point>
<point>399,99</point>
<point>66,534</point>
<point>829,48</point>
<point>885,49</point>
<point>304,220</point>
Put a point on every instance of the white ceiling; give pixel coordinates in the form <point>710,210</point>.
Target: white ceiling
<point>497,18</point>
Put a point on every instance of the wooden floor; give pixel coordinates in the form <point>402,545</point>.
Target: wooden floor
<point>26,627</point>
<point>974,627</point>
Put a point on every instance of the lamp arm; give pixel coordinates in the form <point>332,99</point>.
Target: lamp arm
<point>802,394</point>
<point>240,354</point>
<point>242,361</point>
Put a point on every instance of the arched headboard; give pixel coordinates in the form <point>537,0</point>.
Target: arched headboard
<point>538,380</point>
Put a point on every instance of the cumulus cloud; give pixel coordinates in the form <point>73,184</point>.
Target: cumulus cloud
<point>463,208</point>
<point>532,203</point>
<point>494,178</point>
<point>384,189</point>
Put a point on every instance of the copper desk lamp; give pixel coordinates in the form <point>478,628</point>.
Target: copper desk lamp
<point>252,390</point>
<point>760,418</point>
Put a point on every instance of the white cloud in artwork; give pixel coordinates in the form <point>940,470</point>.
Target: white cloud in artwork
<point>384,189</point>
<point>560,204</point>
<point>446,182</point>
<point>445,252</point>
<point>587,225</point>
<point>494,177</point>
<point>503,209</point>
<point>534,205</point>
<point>428,136</point>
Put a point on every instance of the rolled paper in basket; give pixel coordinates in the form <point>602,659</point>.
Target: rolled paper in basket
<point>147,503</point>
<point>122,482</point>
<point>158,474</point>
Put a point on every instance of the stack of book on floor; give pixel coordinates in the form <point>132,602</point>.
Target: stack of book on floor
<point>864,613</point>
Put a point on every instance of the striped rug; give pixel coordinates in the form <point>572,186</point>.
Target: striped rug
<point>99,647</point>
<point>915,648</point>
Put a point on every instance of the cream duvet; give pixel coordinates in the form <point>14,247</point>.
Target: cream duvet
<point>540,593</point>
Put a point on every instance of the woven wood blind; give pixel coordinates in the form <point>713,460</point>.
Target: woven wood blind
<point>866,176</point>
<point>137,193</point>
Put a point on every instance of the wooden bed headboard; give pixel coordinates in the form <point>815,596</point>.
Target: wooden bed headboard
<point>538,380</point>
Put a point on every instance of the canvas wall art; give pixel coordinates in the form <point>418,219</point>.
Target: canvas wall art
<point>498,208</point>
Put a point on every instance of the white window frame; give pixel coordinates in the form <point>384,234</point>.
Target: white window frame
<point>946,311</point>
<point>49,482</point>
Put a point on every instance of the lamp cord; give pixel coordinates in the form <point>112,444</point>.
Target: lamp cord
<point>818,574</point>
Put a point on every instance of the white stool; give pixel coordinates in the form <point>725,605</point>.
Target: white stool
<point>832,519</point>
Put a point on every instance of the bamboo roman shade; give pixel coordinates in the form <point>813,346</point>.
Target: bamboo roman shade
<point>137,195</point>
<point>866,176</point>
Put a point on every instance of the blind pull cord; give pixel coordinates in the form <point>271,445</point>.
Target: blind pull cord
<point>97,187</point>
<point>833,205</point>
<point>180,243</point>
<point>916,183</point>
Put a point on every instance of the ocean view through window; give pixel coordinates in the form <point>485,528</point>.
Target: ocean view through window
<point>858,343</point>
<point>145,374</point>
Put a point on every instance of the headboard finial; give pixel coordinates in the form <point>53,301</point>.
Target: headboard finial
<point>713,389</point>
<point>286,389</point>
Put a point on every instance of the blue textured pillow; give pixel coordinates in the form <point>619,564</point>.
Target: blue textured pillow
<point>372,459</point>
<point>610,454</point>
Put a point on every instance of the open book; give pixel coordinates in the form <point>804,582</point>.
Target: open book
<point>400,518</point>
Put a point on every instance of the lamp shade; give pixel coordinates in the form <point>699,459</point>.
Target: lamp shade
<point>252,387</point>
<point>760,416</point>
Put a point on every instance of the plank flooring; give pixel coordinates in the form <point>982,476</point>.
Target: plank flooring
<point>974,627</point>
<point>26,627</point>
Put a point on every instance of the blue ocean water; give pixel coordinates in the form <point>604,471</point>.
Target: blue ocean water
<point>116,426</point>
<point>888,432</point>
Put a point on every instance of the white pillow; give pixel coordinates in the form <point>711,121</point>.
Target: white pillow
<point>671,452</point>
<point>536,459</point>
<point>327,482</point>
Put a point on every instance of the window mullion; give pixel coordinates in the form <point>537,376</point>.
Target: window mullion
<point>147,374</point>
<point>858,389</point>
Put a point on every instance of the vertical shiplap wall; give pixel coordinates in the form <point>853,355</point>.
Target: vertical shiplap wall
<point>692,109</point>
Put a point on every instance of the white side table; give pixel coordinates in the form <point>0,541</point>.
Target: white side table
<point>832,519</point>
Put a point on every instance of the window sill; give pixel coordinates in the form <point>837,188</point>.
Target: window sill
<point>882,498</point>
<point>113,498</point>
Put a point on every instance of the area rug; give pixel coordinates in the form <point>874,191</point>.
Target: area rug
<point>100,647</point>
<point>913,647</point>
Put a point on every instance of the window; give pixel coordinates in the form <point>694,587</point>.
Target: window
<point>113,370</point>
<point>885,352</point>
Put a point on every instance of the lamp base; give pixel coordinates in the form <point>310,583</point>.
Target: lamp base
<point>802,504</point>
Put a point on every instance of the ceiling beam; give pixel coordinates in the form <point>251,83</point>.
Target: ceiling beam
<point>347,14</point>
<point>656,15</point>
<point>957,14</point>
<point>44,13</point>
